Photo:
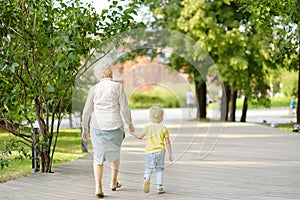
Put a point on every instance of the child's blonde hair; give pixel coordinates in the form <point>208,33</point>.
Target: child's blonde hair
<point>156,114</point>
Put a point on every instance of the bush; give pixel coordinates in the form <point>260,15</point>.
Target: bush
<point>146,101</point>
<point>156,95</point>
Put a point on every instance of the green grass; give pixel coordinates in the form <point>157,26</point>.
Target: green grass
<point>68,148</point>
<point>286,127</point>
<point>280,102</point>
<point>170,95</point>
<point>275,102</point>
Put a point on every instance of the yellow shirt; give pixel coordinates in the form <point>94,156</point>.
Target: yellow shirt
<point>155,137</point>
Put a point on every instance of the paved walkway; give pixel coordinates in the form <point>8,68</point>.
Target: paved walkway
<point>213,161</point>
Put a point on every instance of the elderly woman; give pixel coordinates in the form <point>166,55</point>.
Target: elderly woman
<point>106,104</point>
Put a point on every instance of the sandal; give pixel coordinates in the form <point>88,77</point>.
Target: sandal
<point>115,186</point>
<point>100,195</point>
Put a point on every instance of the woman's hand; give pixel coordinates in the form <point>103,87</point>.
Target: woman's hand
<point>85,134</point>
<point>131,128</point>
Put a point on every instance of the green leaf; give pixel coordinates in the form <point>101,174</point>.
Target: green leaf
<point>15,65</point>
<point>6,108</point>
<point>50,89</point>
<point>104,11</point>
<point>226,2</point>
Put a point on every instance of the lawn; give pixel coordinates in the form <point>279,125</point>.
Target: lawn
<point>286,127</point>
<point>68,148</point>
<point>275,102</point>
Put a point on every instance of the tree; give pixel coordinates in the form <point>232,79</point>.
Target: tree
<point>240,50</point>
<point>280,20</point>
<point>246,39</point>
<point>218,32</point>
<point>43,44</point>
<point>165,14</point>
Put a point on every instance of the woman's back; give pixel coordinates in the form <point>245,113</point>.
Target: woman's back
<point>106,96</point>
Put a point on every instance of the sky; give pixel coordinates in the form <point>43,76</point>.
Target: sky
<point>99,5</point>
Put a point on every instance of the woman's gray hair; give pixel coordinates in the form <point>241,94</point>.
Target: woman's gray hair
<point>156,114</point>
<point>107,73</point>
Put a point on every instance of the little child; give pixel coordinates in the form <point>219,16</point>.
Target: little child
<point>157,137</point>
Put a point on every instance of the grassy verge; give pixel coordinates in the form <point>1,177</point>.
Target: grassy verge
<point>156,95</point>
<point>275,102</point>
<point>68,148</point>
<point>286,127</point>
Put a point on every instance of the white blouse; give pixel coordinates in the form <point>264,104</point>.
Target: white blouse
<point>106,104</point>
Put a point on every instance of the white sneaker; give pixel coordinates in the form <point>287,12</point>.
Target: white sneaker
<point>146,185</point>
<point>160,190</point>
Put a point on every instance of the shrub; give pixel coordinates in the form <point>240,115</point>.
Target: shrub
<point>157,95</point>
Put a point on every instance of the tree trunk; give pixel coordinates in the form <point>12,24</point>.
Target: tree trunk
<point>222,107</point>
<point>44,154</point>
<point>46,161</point>
<point>245,108</point>
<point>201,99</point>
<point>44,145</point>
<point>228,92</point>
<point>70,120</point>
<point>233,105</point>
<point>225,103</point>
<point>298,107</point>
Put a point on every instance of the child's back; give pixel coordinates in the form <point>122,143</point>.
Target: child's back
<point>157,140</point>
<point>155,135</point>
